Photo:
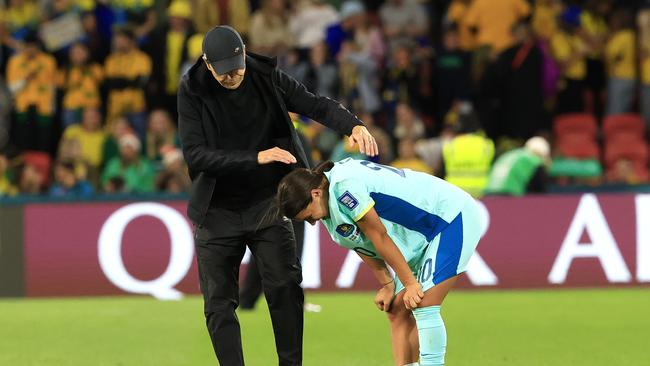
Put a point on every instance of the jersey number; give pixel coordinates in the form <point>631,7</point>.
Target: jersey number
<point>375,166</point>
<point>425,271</point>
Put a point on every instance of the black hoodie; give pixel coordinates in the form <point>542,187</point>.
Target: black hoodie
<point>216,161</point>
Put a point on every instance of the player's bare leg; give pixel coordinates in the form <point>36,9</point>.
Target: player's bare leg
<point>436,295</point>
<point>404,332</point>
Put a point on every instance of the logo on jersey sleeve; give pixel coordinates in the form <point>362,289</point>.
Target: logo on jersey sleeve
<point>349,232</point>
<point>345,230</point>
<point>348,200</point>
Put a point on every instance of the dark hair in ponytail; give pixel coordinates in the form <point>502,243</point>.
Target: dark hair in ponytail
<point>323,167</point>
<point>294,190</point>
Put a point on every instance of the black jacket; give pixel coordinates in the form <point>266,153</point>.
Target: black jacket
<point>199,126</point>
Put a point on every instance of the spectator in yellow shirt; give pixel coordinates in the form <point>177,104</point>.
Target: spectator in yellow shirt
<point>171,46</point>
<point>569,52</point>
<point>492,21</point>
<point>80,82</point>
<point>17,21</point>
<point>70,152</point>
<point>457,14</point>
<point>620,59</point>
<point>54,8</point>
<point>83,5</point>
<point>29,76</point>
<point>407,158</point>
<point>91,138</point>
<point>210,13</point>
<point>545,14</point>
<point>127,70</point>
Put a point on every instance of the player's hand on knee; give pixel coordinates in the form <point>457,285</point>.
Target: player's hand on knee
<point>275,154</point>
<point>413,295</point>
<point>384,296</point>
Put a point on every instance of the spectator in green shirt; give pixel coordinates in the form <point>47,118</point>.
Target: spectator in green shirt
<point>136,171</point>
<point>117,128</point>
<point>522,170</point>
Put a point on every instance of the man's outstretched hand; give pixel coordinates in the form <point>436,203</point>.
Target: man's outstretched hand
<point>367,143</point>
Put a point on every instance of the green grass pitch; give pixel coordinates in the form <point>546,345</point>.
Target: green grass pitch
<point>564,327</point>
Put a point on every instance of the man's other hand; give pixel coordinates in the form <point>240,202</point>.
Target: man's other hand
<point>275,154</point>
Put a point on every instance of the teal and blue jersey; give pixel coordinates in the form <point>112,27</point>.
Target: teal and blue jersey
<point>414,207</point>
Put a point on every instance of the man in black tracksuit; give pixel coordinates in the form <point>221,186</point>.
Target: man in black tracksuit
<point>239,142</point>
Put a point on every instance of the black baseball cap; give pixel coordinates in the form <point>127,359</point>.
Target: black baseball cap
<point>223,49</point>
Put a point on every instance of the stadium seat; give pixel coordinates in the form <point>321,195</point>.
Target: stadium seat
<point>623,123</point>
<point>577,153</point>
<point>629,148</point>
<point>582,123</point>
<point>41,161</point>
<point>578,146</point>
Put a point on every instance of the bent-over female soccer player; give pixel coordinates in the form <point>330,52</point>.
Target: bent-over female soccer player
<point>423,227</point>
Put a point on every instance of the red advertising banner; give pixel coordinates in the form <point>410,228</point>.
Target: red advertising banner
<point>112,248</point>
<point>108,248</point>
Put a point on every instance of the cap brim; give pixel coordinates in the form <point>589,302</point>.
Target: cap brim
<point>227,65</point>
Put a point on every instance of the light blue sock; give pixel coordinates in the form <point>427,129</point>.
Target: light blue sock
<point>433,335</point>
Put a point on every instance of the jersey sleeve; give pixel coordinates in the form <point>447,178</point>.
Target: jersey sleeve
<point>353,199</point>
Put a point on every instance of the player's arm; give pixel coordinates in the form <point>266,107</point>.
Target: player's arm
<point>322,109</point>
<point>326,111</point>
<point>374,230</point>
<point>386,293</point>
<point>378,268</point>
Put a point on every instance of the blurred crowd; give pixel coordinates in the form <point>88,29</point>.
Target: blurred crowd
<point>469,90</point>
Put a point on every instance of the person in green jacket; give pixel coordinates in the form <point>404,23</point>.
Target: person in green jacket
<point>135,170</point>
<point>521,170</point>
